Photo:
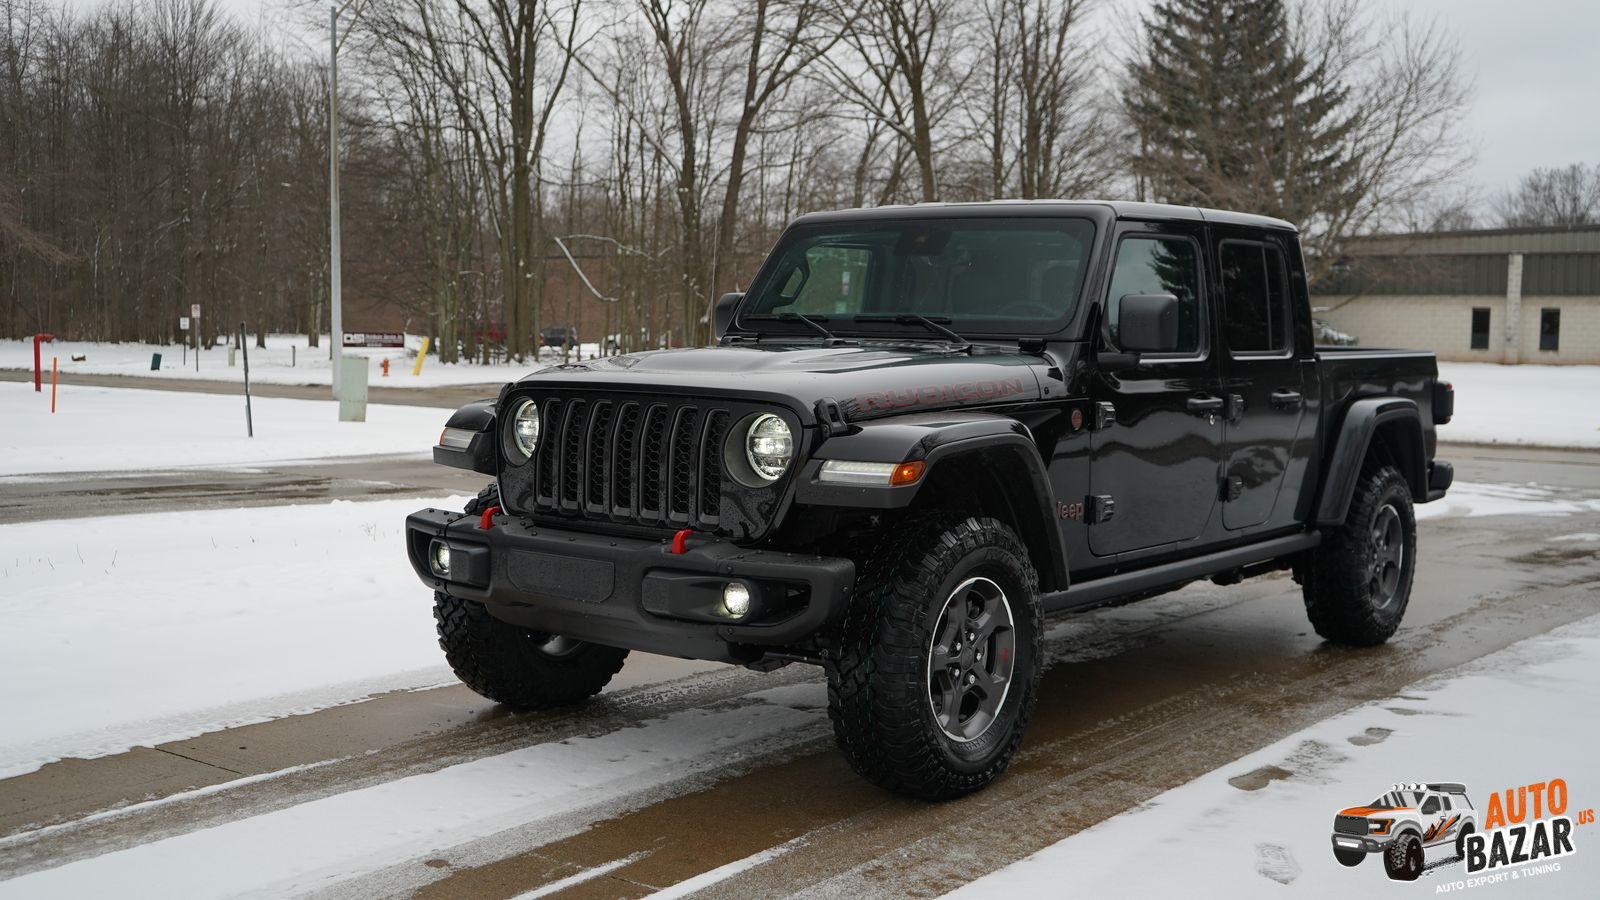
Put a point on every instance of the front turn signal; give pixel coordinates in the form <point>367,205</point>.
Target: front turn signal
<point>908,472</point>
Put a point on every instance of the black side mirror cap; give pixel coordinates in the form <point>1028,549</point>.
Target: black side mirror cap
<point>722,318</point>
<point>1147,323</point>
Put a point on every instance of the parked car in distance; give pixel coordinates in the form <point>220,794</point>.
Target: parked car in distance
<point>562,336</point>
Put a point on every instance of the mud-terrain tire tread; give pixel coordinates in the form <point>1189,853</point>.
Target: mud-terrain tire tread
<point>1334,579</point>
<point>505,663</point>
<point>1397,858</point>
<point>876,685</point>
<point>489,496</point>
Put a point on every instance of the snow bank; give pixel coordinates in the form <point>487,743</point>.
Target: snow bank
<point>1551,406</point>
<point>134,630</point>
<point>1520,716</point>
<point>287,359</point>
<point>97,429</point>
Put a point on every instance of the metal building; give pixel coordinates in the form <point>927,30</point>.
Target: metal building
<point>1510,295</point>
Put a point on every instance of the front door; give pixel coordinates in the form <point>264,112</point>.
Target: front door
<point>1261,376</point>
<point>1157,441</point>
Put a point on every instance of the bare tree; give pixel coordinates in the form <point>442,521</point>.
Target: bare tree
<point>1566,196</point>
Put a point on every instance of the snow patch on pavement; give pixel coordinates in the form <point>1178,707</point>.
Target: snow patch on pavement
<point>1469,499</point>
<point>128,631</point>
<point>322,842</point>
<point>1549,406</point>
<point>1520,716</point>
<point>103,429</point>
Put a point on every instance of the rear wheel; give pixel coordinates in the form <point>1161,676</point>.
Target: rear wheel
<point>1461,840</point>
<point>1357,583</point>
<point>521,668</point>
<point>939,663</point>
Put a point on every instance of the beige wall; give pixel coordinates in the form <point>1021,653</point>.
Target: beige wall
<point>1443,324</point>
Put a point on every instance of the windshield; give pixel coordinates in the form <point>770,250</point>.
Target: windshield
<point>1398,800</point>
<point>978,275</point>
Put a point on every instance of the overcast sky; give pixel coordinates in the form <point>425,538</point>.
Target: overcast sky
<point>1535,66</point>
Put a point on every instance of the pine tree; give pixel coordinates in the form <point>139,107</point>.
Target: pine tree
<point>1228,114</point>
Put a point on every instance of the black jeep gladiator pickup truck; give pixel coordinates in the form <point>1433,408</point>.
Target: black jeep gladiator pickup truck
<point>920,431</point>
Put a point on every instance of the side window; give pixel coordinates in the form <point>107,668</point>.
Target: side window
<point>1157,265</point>
<point>835,283</point>
<point>1446,802</point>
<point>1549,329</point>
<point>1255,297</point>
<point>1480,328</point>
<point>1431,806</point>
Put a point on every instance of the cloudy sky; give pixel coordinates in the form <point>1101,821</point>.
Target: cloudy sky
<point>1535,66</point>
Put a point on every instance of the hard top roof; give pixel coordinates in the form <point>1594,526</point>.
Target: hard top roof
<point>1122,209</point>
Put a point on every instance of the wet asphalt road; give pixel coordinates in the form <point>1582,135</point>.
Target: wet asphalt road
<point>1137,700</point>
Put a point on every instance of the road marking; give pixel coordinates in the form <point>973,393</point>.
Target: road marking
<point>723,873</point>
<point>585,875</point>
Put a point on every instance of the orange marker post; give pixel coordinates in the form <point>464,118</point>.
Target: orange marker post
<point>53,385</point>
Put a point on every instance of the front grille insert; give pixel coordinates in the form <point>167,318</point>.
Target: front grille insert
<point>654,462</point>
<point>1351,825</point>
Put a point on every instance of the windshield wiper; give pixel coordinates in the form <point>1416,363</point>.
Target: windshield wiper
<point>815,324</point>
<point>932,325</point>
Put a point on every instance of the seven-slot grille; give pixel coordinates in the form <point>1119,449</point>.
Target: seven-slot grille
<point>1350,825</point>
<point>647,461</point>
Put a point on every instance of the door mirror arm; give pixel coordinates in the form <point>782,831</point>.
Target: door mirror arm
<point>1113,361</point>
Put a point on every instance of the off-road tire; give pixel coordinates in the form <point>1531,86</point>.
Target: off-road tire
<point>1403,859</point>
<point>1336,578</point>
<point>489,496</point>
<point>1349,858</point>
<point>878,684</point>
<point>511,665</point>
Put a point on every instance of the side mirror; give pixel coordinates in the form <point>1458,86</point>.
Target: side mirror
<point>1148,323</point>
<point>722,319</point>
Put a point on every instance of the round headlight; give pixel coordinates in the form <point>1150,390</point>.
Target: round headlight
<point>525,427</point>
<point>769,446</point>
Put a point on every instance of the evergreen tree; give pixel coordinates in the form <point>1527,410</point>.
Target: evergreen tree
<point>1228,114</point>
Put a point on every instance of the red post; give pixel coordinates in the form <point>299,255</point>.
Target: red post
<point>52,385</point>
<point>386,367</point>
<point>36,370</point>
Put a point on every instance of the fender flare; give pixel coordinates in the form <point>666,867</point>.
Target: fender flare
<point>942,439</point>
<point>1361,422</point>
<point>480,455</point>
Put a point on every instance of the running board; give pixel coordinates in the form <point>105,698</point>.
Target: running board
<point>1101,590</point>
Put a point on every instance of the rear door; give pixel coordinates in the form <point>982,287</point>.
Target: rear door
<point>1262,379</point>
<point>1157,439</point>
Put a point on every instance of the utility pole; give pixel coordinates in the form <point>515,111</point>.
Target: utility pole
<point>335,293</point>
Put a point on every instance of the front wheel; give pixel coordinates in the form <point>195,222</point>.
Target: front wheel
<point>520,668</point>
<point>938,666</point>
<point>1403,859</point>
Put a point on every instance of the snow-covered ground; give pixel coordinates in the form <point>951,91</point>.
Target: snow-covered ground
<point>97,429</point>
<point>1551,406</point>
<point>1467,499</point>
<point>1521,716</point>
<point>287,359</point>
<point>133,630</point>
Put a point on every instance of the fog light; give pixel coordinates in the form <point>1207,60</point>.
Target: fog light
<point>736,600</point>
<point>440,559</point>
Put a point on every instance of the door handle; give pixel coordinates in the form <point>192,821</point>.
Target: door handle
<point>1205,406</point>
<point>1285,399</point>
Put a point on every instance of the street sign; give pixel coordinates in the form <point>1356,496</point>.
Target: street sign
<point>374,339</point>
<point>183,323</point>
<point>194,310</point>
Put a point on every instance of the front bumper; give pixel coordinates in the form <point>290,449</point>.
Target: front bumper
<point>1362,843</point>
<point>628,592</point>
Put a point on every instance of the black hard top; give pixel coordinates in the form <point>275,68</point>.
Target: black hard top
<point>1121,209</point>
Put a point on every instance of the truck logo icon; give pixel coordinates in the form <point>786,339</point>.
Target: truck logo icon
<point>1403,824</point>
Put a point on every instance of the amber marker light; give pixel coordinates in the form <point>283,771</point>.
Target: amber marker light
<point>907,472</point>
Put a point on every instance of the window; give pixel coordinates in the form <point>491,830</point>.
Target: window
<point>1431,806</point>
<point>1480,328</point>
<point>1549,329</point>
<point>1446,802</point>
<point>1150,265</point>
<point>1255,297</point>
<point>833,281</point>
<point>978,275</point>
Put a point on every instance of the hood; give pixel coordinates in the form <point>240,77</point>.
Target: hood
<point>1370,810</point>
<point>867,379</point>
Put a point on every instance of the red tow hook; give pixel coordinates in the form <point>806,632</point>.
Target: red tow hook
<point>680,541</point>
<point>484,524</point>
